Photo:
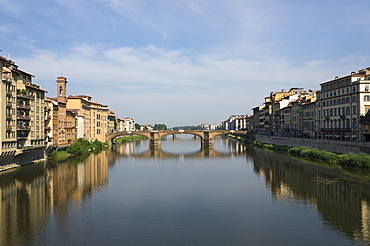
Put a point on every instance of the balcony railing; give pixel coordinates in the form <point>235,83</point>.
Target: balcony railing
<point>20,95</point>
<point>24,117</point>
<point>8,116</point>
<point>364,121</point>
<point>23,127</point>
<point>23,106</point>
<point>335,129</point>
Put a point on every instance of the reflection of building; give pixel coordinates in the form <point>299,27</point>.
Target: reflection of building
<point>342,204</point>
<point>28,194</point>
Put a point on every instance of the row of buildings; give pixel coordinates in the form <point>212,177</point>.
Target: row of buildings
<point>30,119</point>
<point>340,110</point>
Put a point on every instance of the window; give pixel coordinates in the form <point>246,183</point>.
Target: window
<point>366,87</point>
<point>366,98</point>
<point>354,110</point>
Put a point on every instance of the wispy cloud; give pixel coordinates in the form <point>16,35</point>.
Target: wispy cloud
<point>216,57</point>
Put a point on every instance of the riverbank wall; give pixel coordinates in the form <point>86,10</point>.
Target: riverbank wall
<point>335,146</point>
<point>12,159</point>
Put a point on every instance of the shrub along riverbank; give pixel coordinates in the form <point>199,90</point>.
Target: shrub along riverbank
<point>82,146</point>
<point>79,147</point>
<point>128,139</point>
<point>361,160</point>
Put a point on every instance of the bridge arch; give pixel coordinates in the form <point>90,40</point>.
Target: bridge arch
<point>109,137</point>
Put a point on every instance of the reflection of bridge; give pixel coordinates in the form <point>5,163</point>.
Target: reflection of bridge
<point>156,152</point>
<point>154,137</point>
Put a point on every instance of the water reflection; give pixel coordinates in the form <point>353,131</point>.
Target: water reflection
<point>175,148</point>
<point>342,202</point>
<point>31,193</point>
<point>37,197</point>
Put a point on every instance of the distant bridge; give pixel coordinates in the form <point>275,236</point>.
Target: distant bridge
<point>207,136</point>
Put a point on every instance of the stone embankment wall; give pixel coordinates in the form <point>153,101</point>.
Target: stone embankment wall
<point>20,157</point>
<point>329,145</point>
<point>29,156</point>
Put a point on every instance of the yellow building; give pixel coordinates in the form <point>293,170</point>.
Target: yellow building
<point>95,116</point>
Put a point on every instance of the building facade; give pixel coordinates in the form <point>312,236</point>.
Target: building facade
<point>342,107</point>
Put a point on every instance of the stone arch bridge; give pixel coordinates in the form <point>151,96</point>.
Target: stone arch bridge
<point>207,136</point>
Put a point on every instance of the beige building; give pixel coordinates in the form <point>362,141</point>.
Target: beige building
<point>343,107</point>
<point>126,124</point>
<point>22,109</point>
<point>49,114</point>
<point>95,116</point>
<point>112,121</point>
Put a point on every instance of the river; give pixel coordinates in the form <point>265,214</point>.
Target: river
<point>183,194</point>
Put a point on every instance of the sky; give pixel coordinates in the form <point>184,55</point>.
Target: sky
<point>184,62</point>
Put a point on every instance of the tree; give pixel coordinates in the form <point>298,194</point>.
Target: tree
<point>137,126</point>
<point>160,127</point>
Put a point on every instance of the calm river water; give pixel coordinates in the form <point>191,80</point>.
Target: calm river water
<point>182,194</point>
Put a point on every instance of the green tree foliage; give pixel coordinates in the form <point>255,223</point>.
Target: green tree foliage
<point>160,127</point>
<point>115,123</point>
<point>361,160</point>
<point>82,146</point>
<point>185,128</point>
<point>137,126</point>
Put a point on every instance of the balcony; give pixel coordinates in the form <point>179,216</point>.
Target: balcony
<point>20,95</point>
<point>23,117</point>
<point>342,116</point>
<point>25,106</point>
<point>365,121</point>
<point>9,103</point>
<point>8,116</point>
<point>335,129</point>
<point>25,128</point>
<point>8,127</point>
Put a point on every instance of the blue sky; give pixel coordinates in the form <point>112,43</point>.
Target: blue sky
<point>184,62</point>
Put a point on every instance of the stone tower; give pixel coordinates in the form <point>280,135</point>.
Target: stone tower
<point>62,89</point>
